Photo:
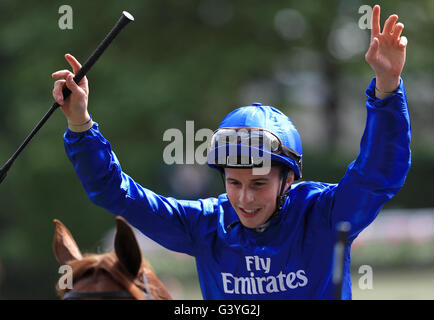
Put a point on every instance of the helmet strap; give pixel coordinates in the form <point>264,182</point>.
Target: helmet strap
<point>282,195</point>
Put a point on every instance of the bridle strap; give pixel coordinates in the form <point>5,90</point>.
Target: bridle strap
<point>121,294</point>
<point>70,295</point>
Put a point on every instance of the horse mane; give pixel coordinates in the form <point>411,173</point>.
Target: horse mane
<point>92,264</point>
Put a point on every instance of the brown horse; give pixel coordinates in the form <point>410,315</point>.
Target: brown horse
<point>122,274</point>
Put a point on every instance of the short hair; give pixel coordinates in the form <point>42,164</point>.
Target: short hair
<point>283,169</point>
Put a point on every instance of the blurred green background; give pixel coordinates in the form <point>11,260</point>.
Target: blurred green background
<point>198,60</point>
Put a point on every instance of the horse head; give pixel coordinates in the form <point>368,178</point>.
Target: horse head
<point>122,274</point>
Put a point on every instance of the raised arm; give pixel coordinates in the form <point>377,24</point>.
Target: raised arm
<point>384,158</point>
<point>168,221</point>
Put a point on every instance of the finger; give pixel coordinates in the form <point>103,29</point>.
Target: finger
<point>75,65</point>
<point>70,83</point>
<point>403,42</point>
<point>398,30</point>
<point>390,24</point>
<point>62,74</point>
<point>372,51</point>
<point>57,91</point>
<point>375,22</point>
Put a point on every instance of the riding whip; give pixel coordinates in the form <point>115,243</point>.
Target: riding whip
<point>120,24</point>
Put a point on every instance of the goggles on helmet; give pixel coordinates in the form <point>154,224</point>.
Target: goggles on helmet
<point>251,137</point>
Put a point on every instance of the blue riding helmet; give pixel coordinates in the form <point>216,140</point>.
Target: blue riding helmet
<point>286,149</point>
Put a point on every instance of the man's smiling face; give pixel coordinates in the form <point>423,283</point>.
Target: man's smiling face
<point>254,197</point>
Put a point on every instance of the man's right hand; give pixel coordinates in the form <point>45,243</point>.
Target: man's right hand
<point>75,106</point>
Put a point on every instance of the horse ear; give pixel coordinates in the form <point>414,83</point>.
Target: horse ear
<point>126,247</point>
<point>65,247</point>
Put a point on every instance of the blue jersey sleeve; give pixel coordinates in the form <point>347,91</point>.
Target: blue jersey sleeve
<point>168,221</point>
<point>381,166</point>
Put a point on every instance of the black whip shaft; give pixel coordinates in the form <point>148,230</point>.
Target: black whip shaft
<point>120,24</point>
